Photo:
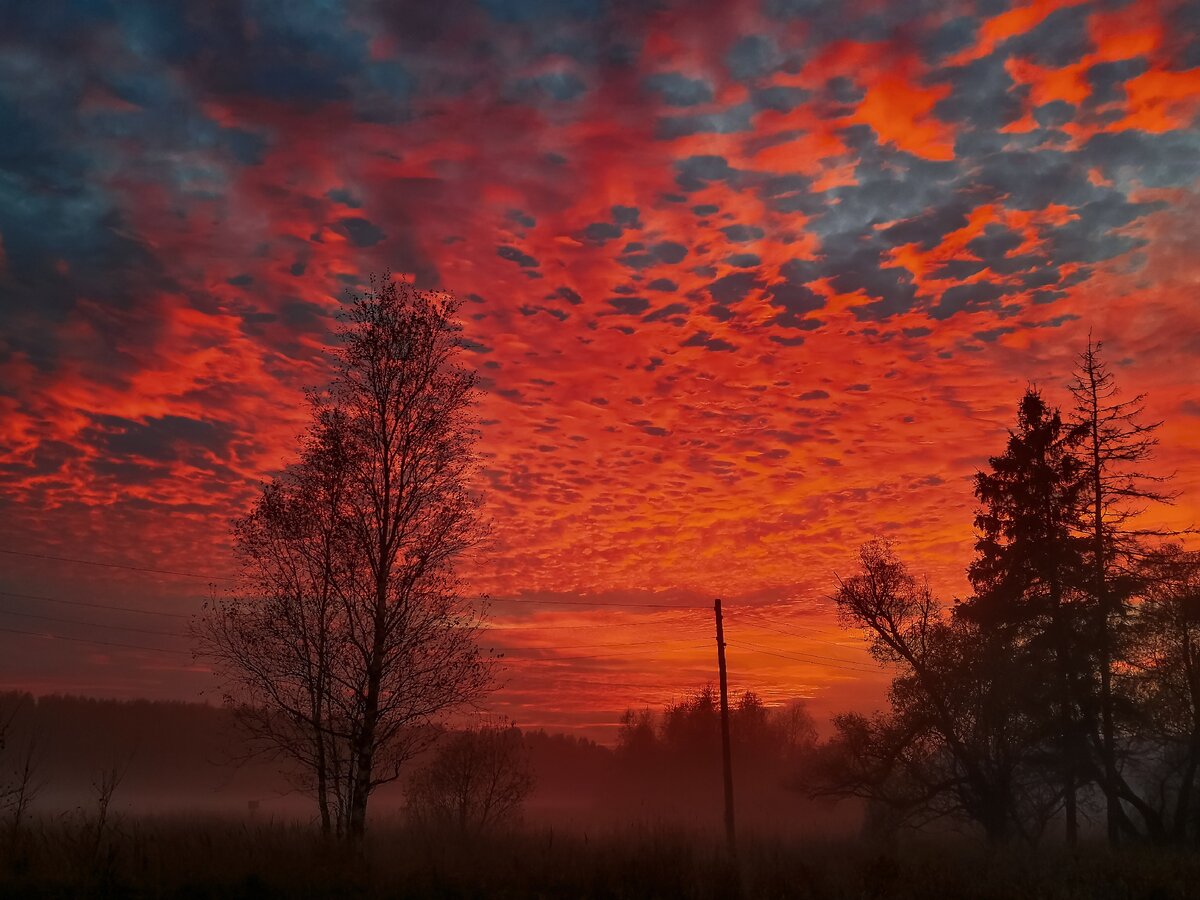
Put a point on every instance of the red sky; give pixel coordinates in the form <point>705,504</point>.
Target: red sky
<point>747,283</point>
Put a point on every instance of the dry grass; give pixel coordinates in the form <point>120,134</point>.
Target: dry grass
<point>174,858</point>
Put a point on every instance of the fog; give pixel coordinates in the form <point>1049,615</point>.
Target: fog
<point>662,767</point>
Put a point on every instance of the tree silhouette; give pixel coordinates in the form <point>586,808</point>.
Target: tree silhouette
<point>1029,562</point>
<point>1163,676</point>
<point>477,779</point>
<point>350,636</point>
<point>1114,442</point>
<point>280,643</point>
<point>956,739</point>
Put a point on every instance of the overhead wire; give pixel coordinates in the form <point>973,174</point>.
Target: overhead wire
<point>130,609</point>
<point>78,640</point>
<point>25,615</point>
<point>769,652</point>
<point>111,565</point>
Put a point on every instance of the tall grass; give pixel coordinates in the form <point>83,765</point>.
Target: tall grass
<point>202,858</point>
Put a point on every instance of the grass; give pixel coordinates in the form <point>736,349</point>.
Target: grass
<point>194,859</point>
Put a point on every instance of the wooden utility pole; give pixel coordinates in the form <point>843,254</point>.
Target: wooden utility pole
<point>725,752</point>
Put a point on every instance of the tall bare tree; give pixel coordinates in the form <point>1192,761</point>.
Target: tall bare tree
<point>352,635</point>
<point>279,640</point>
<point>1116,441</point>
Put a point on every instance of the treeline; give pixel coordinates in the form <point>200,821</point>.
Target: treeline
<point>168,755</point>
<point>61,753</point>
<point>1066,687</point>
<point>672,758</point>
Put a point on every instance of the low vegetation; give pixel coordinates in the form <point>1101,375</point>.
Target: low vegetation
<point>220,858</point>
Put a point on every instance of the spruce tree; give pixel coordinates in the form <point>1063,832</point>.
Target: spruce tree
<point>1028,566</point>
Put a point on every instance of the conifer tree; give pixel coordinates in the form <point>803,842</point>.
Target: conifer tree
<point>1028,566</point>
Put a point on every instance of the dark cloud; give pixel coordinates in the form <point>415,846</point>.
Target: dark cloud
<point>602,232</point>
<point>727,121</point>
<point>561,87</point>
<point>161,439</point>
<point>983,96</point>
<point>569,295</point>
<point>779,98</point>
<point>679,90</point>
<point>669,251</point>
<point>752,57</point>
<point>1058,40</point>
<point>708,342</point>
<point>982,294</point>
<point>631,306</point>
<point>732,288</point>
<point>795,301</point>
<point>522,218</point>
<point>671,309</point>
<point>626,216</point>
<point>360,232</point>
<point>695,172</point>
<point>513,254</point>
<point>742,234</point>
<point>949,38</point>
<point>541,11</point>
<point>1053,114</point>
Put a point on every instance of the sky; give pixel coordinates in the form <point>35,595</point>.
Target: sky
<point>746,285</point>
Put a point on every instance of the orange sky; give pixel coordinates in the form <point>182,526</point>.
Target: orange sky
<point>745,288</point>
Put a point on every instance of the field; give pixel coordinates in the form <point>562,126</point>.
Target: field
<point>177,858</point>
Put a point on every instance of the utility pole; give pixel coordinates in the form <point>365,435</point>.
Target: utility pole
<point>725,752</point>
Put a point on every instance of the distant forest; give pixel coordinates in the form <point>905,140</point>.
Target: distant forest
<point>190,757</point>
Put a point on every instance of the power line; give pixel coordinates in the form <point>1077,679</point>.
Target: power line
<point>109,565</point>
<point>25,615</point>
<point>77,640</point>
<point>132,609</point>
<point>756,623</point>
<point>592,625</point>
<point>676,606</point>
<point>610,644</point>
<point>694,644</point>
<point>158,612</point>
<point>839,659</point>
<point>758,649</point>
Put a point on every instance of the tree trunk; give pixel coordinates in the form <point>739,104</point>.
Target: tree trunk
<point>365,751</point>
<point>1068,748</point>
<point>1066,722</point>
<point>323,784</point>
<point>365,744</point>
<point>1112,800</point>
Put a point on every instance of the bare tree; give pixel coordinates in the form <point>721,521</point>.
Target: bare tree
<point>1163,677</point>
<point>19,782</point>
<point>956,739</point>
<point>351,635</point>
<point>477,780</point>
<point>1115,443</point>
<point>278,639</point>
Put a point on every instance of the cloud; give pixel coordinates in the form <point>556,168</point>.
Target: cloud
<point>679,90</point>
<point>513,254</point>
